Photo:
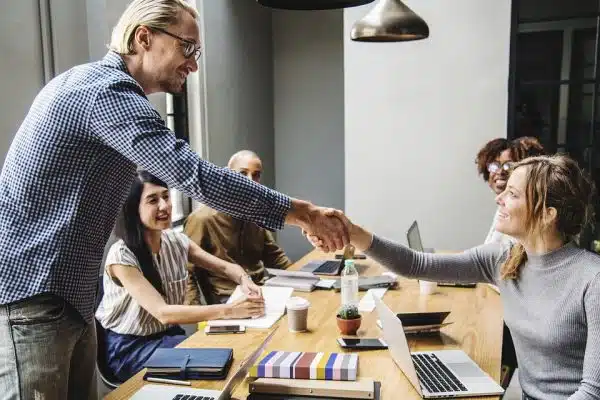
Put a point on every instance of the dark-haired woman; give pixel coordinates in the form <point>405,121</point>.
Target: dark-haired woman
<point>550,288</point>
<point>145,279</point>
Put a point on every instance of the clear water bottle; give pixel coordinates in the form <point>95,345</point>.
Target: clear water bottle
<point>349,284</point>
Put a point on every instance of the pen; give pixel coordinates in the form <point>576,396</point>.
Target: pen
<point>170,381</point>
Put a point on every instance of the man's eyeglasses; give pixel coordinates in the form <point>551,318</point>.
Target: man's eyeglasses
<point>190,48</point>
<point>495,166</point>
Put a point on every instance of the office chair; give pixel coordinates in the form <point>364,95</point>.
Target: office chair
<point>200,279</point>
<point>103,371</point>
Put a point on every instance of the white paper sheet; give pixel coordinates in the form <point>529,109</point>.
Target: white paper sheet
<point>275,299</point>
<point>367,303</point>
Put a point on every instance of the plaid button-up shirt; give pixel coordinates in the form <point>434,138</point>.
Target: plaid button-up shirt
<point>70,168</point>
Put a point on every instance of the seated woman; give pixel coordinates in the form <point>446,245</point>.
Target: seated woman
<point>494,163</point>
<point>145,279</point>
<point>550,288</point>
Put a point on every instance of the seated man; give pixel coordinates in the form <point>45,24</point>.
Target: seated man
<point>234,240</point>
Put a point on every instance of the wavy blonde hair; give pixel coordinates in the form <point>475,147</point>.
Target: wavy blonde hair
<point>151,13</point>
<point>554,181</point>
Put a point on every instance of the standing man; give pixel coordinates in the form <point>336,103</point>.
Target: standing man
<point>65,177</point>
<point>234,240</point>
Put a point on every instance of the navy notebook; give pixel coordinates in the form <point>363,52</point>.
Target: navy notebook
<point>182,363</point>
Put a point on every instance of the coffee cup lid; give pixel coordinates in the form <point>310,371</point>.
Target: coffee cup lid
<point>297,303</point>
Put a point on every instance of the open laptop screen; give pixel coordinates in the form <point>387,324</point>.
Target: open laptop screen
<point>413,236</point>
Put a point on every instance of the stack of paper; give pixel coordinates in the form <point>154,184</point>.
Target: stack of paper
<point>299,280</point>
<point>275,299</point>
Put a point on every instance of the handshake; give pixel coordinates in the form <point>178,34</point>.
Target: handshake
<point>327,229</point>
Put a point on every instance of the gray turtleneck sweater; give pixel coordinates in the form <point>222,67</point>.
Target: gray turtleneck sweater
<point>552,310</point>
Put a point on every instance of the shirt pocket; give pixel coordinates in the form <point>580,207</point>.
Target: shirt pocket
<point>175,289</point>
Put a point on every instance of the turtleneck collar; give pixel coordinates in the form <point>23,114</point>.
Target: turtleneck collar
<point>554,257</point>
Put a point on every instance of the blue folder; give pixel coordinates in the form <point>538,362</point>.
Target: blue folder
<point>196,363</point>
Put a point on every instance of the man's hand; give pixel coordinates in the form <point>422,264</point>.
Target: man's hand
<point>320,222</point>
<point>358,236</point>
<point>249,288</point>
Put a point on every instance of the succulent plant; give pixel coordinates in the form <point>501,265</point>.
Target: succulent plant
<point>348,311</point>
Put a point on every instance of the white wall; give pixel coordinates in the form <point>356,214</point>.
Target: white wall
<point>309,112</point>
<point>415,116</point>
<point>20,65</point>
<point>238,73</point>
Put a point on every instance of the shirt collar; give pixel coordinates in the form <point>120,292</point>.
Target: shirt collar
<point>114,59</point>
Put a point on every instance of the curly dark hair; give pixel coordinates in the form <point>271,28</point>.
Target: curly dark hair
<point>520,149</point>
<point>490,152</point>
<point>528,146</point>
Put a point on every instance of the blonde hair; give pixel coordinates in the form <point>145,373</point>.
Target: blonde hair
<point>558,182</point>
<point>151,13</point>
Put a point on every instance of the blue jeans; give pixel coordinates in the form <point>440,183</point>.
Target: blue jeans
<point>47,351</point>
<point>127,354</point>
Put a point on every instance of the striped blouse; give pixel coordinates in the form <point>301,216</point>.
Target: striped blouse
<point>118,311</point>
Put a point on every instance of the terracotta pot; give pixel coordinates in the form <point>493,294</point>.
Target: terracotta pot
<point>349,326</point>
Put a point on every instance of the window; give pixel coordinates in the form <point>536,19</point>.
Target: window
<point>554,80</point>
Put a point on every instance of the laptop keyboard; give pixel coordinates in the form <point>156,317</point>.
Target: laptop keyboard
<point>192,397</point>
<point>328,267</point>
<point>435,376</point>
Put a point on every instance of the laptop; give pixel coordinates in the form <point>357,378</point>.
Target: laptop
<point>413,237</point>
<point>434,374</point>
<point>168,392</point>
<point>330,267</point>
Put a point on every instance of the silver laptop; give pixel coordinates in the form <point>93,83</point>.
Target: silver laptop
<point>168,392</point>
<point>413,237</point>
<point>434,374</point>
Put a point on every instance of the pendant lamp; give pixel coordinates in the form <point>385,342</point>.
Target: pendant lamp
<point>390,21</point>
<point>312,4</point>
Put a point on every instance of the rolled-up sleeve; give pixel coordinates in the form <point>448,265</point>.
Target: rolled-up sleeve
<point>123,119</point>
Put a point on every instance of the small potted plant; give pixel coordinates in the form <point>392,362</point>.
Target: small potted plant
<point>348,319</point>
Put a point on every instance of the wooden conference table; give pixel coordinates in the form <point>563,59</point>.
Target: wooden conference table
<point>477,330</point>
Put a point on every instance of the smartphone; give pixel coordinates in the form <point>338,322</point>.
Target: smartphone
<point>362,344</point>
<point>218,329</point>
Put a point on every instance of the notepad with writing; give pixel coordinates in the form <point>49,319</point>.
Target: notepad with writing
<point>184,363</point>
<point>275,299</point>
<point>306,365</point>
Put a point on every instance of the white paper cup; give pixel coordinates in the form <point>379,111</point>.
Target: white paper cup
<point>427,287</point>
<point>297,310</point>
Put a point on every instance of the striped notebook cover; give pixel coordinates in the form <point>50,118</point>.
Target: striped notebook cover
<point>306,365</point>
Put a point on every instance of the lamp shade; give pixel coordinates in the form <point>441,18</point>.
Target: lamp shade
<point>390,21</point>
<point>312,4</point>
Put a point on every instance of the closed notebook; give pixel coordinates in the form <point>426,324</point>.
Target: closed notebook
<point>190,363</point>
<point>306,365</point>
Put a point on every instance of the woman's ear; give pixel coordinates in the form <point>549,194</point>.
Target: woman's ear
<point>550,215</point>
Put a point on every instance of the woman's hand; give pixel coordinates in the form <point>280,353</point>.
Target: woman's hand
<point>249,288</point>
<point>359,237</point>
<point>246,307</point>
